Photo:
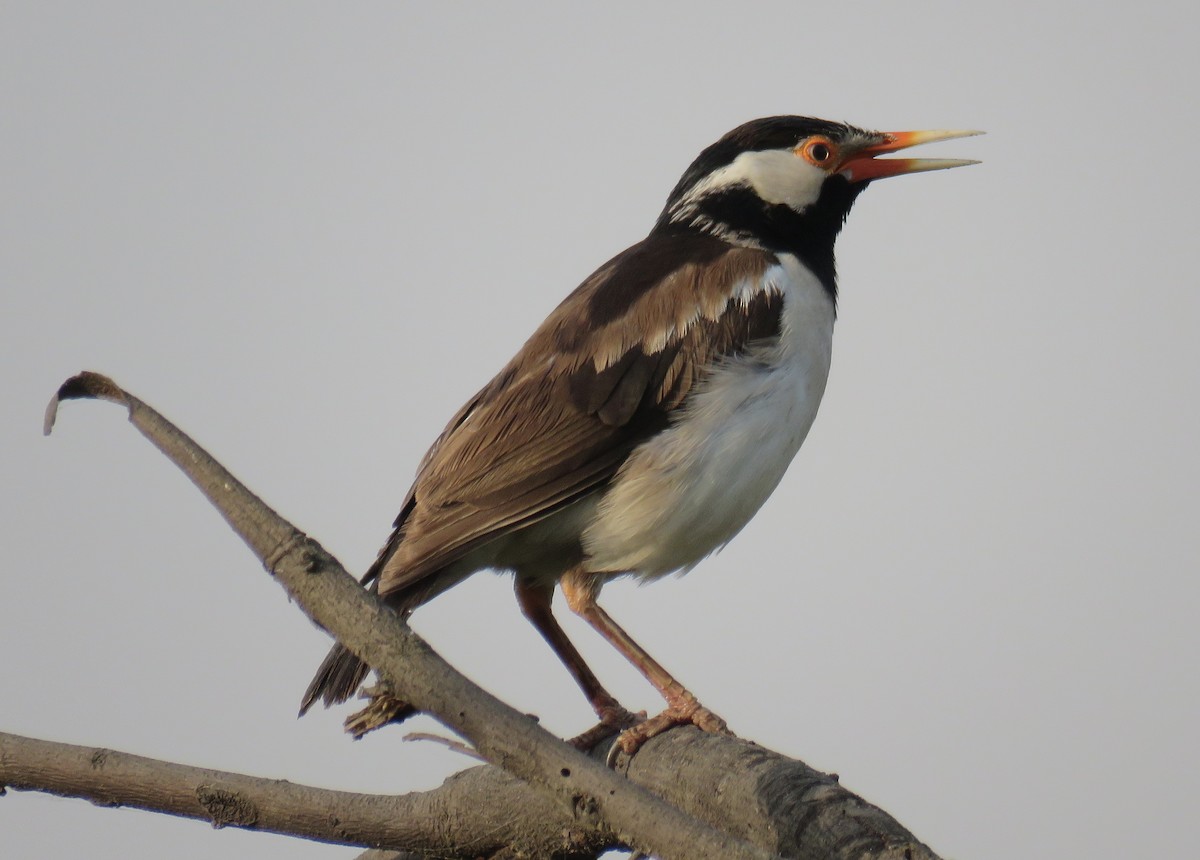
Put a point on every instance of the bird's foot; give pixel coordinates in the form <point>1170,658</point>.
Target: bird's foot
<point>613,718</point>
<point>383,708</point>
<point>683,709</point>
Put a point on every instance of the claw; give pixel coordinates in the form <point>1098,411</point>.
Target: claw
<point>683,710</point>
<point>614,754</point>
<point>613,719</point>
<point>383,708</point>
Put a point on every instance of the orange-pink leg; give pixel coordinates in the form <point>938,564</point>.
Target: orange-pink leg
<point>535,600</point>
<point>580,590</point>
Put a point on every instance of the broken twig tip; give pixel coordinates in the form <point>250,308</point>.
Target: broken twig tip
<point>82,386</point>
<point>89,384</point>
<point>449,743</point>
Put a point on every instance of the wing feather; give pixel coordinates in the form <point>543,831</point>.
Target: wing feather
<point>604,372</point>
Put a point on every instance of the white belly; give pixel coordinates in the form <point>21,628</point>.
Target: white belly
<point>689,490</point>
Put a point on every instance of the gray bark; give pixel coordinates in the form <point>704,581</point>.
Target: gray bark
<point>776,803</point>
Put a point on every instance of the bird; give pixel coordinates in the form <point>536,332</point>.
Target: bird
<point>652,413</point>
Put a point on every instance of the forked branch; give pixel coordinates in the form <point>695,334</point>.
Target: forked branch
<point>761,804</point>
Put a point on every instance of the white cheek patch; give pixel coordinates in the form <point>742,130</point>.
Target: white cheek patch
<point>778,176</point>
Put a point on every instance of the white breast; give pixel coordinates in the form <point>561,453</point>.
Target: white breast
<point>690,489</point>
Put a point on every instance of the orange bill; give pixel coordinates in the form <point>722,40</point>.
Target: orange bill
<point>864,165</point>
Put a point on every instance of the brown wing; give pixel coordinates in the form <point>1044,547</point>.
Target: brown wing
<point>602,373</point>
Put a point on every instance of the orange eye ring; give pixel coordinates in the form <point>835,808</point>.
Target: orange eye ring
<point>819,151</point>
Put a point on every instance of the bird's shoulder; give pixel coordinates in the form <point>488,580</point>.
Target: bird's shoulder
<point>670,303</point>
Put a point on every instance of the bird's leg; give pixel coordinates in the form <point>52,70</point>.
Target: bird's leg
<point>580,589</point>
<point>534,599</point>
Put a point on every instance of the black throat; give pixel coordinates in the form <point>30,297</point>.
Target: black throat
<point>738,212</point>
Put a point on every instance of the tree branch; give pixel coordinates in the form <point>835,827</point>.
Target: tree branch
<point>747,795</point>
<point>460,819</point>
<point>776,803</point>
<point>336,602</point>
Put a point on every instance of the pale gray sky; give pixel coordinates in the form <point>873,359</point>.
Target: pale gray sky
<point>975,594</point>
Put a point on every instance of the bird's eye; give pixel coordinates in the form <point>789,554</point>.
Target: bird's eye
<point>818,151</point>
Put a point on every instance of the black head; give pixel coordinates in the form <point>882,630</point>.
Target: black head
<point>786,184</point>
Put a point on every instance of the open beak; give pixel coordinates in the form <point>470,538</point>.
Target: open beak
<point>863,166</point>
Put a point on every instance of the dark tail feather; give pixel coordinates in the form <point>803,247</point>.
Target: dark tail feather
<point>341,672</point>
<point>340,675</point>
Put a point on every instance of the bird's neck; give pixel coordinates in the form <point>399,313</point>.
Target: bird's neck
<point>738,216</point>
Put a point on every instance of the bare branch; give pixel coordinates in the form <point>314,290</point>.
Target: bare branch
<point>778,804</point>
<point>337,603</point>
<point>460,819</point>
